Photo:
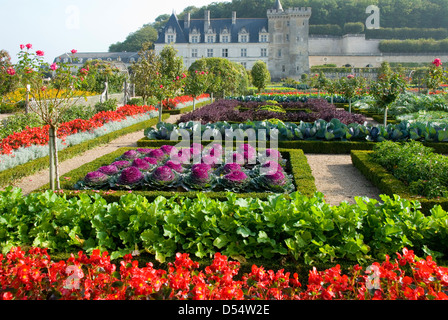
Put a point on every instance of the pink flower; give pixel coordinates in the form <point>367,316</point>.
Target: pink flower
<point>54,66</point>
<point>11,71</point>
<point>29,46</point>
<point>161,86</point>
<point>437,62</point>
<point>74,51</point>
<point>40,53</point>
<point>350,76</point>
<point>22,47</point>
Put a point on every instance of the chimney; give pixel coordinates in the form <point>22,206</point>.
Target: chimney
<point>187,20</point>
<point>206,20</point>
<point>233,17</point>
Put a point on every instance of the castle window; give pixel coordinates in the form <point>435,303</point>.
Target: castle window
<point>210,53</point>
<point>194,53</point>
<point>244,38</point>
<point>263,38</point>
<point>279,53</point>
<point>225,39</point>
<point>264,52</point>
<point>210,39</point>
<point>194,39</point>
<point>244,64</point>
<point>283,68</point>
<point>244,52</point>
<point>225,53</point>
<point>170,38</point>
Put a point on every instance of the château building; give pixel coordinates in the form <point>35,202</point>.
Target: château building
<point>280,39</point>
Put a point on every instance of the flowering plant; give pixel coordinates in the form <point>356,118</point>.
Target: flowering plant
<point>434,77</point>
<point>33,275</point>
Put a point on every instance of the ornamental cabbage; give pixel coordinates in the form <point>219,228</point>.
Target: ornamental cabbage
<point>151,161</point>
<point>162,177</point>
<point>130,178</point>
<point>130,155</point>
<point>96,179</point>
<point>200,178</point>
<point>110,170</point>
<point>174,165</point>
<point>230,167</point>
<point>141,164</point>
<point>121,164</point>
<point>167,149</point>
<point>235,181</point>
<point>144,151</point>
<point>277,182</point>
<point>158,154</point>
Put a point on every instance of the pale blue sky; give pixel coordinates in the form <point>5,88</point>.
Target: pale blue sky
<point>58,26</point>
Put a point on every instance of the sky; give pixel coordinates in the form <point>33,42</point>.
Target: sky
<point>58,26</point>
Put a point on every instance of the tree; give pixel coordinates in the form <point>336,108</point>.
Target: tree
<point>50,108</point>
<point>260,75</point>
<point>134,41</point>
<point>196,84</point>
<point>434,77</point>
<point>100,72</point>
<point>8,83</point>
<point>387,88</point>
<point>171,76</point>
<point>144,72</point>
<point>350,87</point>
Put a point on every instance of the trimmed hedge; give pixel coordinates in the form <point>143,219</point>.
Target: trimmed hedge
<point>388,184</point>
<point>297,163</point>
<point>186,109</point>
<point>29,168</point>
<point>307,146</point>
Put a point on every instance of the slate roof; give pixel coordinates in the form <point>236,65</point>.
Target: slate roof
<point>252,25</point>
<point>125,57</point>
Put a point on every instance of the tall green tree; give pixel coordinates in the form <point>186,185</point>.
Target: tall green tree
<point>134,41</point>
<point>260,75</point>
<point>144,72</point>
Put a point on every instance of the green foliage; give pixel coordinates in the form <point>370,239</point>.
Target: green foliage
<point>425,172</point>
<point>8,83</point>
<point>99,72</point>
<point>407,33</point>
<point>353,28</point>
<point>413,46</point>
<point>135,41</point>
<point>260,75</point>
<point>227,76</point>
<point>108,105</point>
<point>304,228</point>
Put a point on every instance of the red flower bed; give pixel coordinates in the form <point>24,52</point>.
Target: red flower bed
<point>33,276</point>
<point>40,136</point>
<point>172,103</point>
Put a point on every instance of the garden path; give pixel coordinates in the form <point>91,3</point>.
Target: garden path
<point>334,174</point>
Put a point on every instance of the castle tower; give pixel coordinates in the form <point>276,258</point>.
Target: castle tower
<point>288,47</point>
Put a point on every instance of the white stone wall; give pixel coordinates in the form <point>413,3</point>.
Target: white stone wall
<point>348,44</point>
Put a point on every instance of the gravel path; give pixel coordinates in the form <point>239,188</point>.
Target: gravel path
<point>335,175</point>
<point>339,180</point>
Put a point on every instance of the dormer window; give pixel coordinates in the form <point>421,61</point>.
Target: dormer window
<point>264,36</point>
<point>225,36</point>
<point>243,36</point>
<point>170,36</point>
<point>195,36</point>
<point>210,37</point>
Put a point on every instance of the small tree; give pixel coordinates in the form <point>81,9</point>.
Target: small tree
<point>387,88</point>
<point>321,83</point>
<point>196,84</point>
<point>350,87</point>
<point>50,108</point>
<point>145,72</point>
<point>332,87</point>
<point>434,77</point>
<point>260,75</point>
<point>171,76</point>
<point>8,81</point>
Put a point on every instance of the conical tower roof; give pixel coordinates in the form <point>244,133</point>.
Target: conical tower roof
<point>278,6</point>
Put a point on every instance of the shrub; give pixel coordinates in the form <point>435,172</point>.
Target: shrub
<point>108,105</point>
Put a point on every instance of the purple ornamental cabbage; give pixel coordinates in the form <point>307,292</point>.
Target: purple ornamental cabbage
<point>121,164</point>
<point>270,167</point>
<point>158,154</point>
<point>141,164</point>
<point>167,149</point>
<point>201,172</point>
<point>230,167</point>
<point>163,174</point>
<point>183,156</point>
<point>174,165</point>
<point>273,155</point>
<point>130,176</point>
<point>130,155</point>
<point>144,151</point>
<point>110,170</point>
<point>237,158</point>
<point>151,161</point>
<point>236,177</point>
<point>211,160</point>
<point>276,179</point>
<point>96,178</point>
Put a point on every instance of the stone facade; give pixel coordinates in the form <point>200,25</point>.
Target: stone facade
<point>280,40</point>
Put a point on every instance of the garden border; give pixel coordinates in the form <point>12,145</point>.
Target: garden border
<point>301,171</point>
<point>390,185</point>
<point>26,169</point>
